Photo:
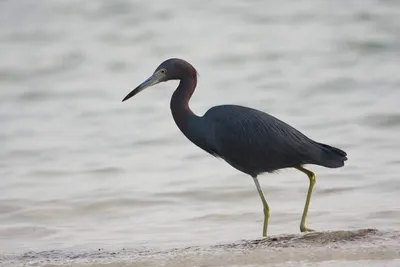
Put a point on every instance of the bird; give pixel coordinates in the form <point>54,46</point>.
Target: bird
<point>250,140</point>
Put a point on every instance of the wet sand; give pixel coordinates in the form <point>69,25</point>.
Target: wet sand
<point>364,247</point>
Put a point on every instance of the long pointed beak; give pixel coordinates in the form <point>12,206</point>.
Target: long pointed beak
<point>154,79</point>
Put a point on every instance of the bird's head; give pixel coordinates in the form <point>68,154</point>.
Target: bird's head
<point>170,69</point>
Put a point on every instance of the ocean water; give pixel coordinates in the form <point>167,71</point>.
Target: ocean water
<point>86,180</point>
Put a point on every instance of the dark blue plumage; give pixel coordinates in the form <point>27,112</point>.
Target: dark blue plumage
<point>255,142</point>
<point>250,140</point>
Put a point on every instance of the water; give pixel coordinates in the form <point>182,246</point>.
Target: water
<point>80,171</point>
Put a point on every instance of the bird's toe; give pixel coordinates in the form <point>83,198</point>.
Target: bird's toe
<point>306,229</point>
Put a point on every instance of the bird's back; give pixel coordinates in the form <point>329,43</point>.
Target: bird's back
<point>255,142</point>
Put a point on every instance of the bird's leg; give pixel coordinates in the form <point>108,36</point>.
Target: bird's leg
<point>311,176</point>
<point>265,205</point>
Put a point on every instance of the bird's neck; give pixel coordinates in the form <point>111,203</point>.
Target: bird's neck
<point>195,128</point>
<point>180,109</point>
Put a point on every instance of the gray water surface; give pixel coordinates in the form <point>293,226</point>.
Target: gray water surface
<point>81,171</point>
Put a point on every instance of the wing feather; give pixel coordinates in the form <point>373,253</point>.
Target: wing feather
<point>254,142</point>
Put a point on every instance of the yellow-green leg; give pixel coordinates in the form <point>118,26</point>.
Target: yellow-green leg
<point>265,205</point>
<point>311,176</point>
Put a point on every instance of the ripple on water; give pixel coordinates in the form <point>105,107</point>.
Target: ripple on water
<point>382,121</point>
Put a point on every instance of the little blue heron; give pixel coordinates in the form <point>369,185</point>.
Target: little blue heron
<point>250,140</point>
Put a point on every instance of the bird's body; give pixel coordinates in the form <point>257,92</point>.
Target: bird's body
<point>250,140</point>
<point>255,142</point>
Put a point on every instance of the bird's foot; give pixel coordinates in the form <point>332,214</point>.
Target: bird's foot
<point>304,228</point>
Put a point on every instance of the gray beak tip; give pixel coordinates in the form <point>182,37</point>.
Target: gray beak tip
<point>154,79</point>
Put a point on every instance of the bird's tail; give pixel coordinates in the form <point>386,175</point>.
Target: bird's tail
<point>332,157</point>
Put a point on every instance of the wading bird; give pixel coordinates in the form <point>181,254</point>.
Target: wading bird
<point>249,140</point>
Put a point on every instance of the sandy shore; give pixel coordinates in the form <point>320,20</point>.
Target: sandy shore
<point>364,247</point>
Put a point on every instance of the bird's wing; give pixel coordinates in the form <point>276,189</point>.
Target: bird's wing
<point>252,140</point>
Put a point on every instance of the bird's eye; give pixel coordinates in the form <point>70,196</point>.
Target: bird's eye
<point>163,71</point>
